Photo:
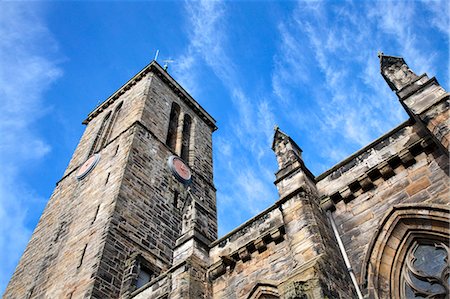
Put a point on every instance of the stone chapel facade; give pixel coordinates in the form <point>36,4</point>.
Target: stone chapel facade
<point>134,215</point>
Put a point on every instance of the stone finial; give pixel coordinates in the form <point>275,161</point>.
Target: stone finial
<point>396,72</point>
<point>292,175</point>
<point>286,150</point>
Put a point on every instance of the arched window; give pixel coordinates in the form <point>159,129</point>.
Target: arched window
<point>408,256</point>
<point>96,145</point>
<point>425,270</point>
<point>111,124</point>
<point>171,140</point>
<point>186,138</point>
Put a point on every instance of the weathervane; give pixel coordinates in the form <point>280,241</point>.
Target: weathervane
<point>166,63</point>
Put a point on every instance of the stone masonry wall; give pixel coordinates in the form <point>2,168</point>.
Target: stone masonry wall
<point>156,117</point>
<point>150,207</point>
<point>287,247</point>
<point>133,104</point>
<point>403,167</point>
<point>92,228</point>
<point>68,239</point>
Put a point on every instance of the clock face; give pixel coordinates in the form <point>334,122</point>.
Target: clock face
<point>87,166</point>
<point>179,169</point>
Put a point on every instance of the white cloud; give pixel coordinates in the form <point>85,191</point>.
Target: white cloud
<point>440,14</point>
<point>336,46</point>
<point>207,37</point>
<point>248,132</point>
<point>396,20</point>
<point>290,65</point>
<point>184,71</point>
<point>27,70</point>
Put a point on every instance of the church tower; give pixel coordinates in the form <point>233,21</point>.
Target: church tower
<point>139,185</point>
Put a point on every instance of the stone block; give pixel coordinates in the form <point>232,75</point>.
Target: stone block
<point>420,184</point>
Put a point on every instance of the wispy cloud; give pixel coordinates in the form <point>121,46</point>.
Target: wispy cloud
<point>352,103</point>
<point>440,14</point>
<point>249,129</point>
<point>27,70</point>
<point>395,19</point>
<point>325,82</point>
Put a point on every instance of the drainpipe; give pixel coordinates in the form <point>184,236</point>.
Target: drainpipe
<point>344,255</point>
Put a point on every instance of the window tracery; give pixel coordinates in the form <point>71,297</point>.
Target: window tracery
<point>408,256</point>
<point>426,270</point>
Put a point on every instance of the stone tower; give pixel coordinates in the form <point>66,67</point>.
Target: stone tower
<point>138,188</point>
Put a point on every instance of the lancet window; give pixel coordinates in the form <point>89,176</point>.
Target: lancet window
<point>186,137</point>
<point>111,124</point>
<point>171,140</point>
<point>98,138</point>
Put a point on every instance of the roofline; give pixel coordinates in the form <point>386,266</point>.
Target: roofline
<point>359,152</point>
<point>173,85</point>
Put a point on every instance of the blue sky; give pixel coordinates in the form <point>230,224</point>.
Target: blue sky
<point>311,67</point>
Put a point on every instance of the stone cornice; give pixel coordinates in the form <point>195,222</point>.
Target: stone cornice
<point>244,253</point>
<point>364,149</point>
<point>288,170</point>
<point>377,174</point>
<point>156,69</point>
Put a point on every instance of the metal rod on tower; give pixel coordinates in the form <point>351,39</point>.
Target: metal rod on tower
<point>156,55</point>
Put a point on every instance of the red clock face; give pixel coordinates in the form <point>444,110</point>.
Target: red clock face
<point>179,169</point>
<point>87,166</point>
<point>182,169</point>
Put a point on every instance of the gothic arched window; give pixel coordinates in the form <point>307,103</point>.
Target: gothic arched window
<point>97,141</point>
<point>111,124</point>
<point>425,271</point>
<point>171,140</point>
<point>186,137</point>
<point>408,256</point>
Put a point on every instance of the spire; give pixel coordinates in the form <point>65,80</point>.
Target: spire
<point>286,150</point>
<point>292,174</point>
<point>422,97</point>
<point>396,72</point>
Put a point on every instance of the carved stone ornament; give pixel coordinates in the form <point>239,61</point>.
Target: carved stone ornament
<point>87,166</point>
